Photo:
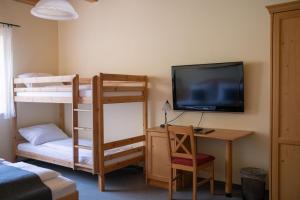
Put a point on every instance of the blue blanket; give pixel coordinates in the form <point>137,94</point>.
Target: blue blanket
<point>18,184</point>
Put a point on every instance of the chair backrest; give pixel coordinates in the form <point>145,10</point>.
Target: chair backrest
<point>182,142</point>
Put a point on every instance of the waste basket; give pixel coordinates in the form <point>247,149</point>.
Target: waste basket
<point>253,183</point>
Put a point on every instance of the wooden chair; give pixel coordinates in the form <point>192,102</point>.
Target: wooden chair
<point>184,157</point>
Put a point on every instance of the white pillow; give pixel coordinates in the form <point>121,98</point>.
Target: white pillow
<point>30,75</point>
<point>43,133</point>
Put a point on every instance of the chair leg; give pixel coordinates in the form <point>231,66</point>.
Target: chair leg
<point>212,179</point>
<point>182,179</point>
<point>195,185</point>
<point>170,195</point>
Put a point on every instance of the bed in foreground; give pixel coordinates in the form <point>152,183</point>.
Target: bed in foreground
<point>24,181</point>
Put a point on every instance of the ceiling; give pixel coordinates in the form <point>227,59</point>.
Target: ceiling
<point>33,2</point>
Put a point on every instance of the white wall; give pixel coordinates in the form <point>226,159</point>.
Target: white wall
<point>35,50</point>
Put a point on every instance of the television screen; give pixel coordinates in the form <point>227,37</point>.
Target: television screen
<point>209,87</point>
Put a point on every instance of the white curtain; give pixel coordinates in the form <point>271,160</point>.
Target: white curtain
<point>6,72</point>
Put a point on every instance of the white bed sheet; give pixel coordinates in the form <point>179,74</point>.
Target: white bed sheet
<point>44,173</point>
<point>62,149</point>
<point>84,91</point>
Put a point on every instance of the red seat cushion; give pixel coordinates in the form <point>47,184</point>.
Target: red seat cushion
<point>201,158</point>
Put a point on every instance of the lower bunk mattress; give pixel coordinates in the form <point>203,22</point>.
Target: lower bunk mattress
<point>63,150</point>
<point>60,186</point>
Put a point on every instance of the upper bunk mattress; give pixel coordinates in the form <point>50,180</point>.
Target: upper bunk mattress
<point>63,150</point>
<point>84,91</point>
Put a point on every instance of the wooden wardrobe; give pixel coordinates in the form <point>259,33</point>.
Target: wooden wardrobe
<point>285,72</point>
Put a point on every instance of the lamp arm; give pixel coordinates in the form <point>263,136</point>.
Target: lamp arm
<point>166,120</point>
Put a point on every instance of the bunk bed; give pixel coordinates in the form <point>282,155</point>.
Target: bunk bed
<point>95,156</point>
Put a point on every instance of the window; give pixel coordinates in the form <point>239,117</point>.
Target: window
<point>6,72</point>
<point>2,93</point>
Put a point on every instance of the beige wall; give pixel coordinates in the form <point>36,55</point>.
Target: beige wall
<point>147,37</point>
<point>35,50</point>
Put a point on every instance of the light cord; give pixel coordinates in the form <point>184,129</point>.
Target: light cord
<point>200,119</point>
<point>176,117</point>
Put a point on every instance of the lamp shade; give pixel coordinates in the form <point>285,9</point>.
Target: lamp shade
<point>166,107</point>
<point>54,10</point>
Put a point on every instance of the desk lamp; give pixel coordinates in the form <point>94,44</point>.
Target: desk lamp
<point>166,107</point>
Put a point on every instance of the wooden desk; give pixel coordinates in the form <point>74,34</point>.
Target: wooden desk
<point>228,136</point>
<point>158,135</point>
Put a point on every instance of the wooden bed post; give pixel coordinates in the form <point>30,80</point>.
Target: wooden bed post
<point>145,122</point>
<point>145,105</point>
<point>95,116</point>
<point>75,132</point>
<point>101,174</point>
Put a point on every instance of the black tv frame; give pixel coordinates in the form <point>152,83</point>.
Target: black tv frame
<point>205,108</point>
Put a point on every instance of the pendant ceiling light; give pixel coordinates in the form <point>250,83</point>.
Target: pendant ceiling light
<point>54,10</point>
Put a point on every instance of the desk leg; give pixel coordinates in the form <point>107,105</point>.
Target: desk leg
<point>228,167</point>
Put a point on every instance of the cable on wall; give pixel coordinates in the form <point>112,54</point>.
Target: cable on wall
<point>202,114</point>
<point>174,119</point>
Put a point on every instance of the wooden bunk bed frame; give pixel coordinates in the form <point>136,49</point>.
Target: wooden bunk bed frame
<point>103,87</point>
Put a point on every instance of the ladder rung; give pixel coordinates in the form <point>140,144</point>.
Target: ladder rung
<point>83,147</point>
<point>82,110</point>
<point>83,128</point>
<point>83,166</point>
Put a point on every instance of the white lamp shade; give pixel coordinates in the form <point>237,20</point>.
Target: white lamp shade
<point>54,10</point>
<point>166,107</point>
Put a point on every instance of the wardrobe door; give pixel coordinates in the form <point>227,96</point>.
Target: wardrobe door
<point>286,106</point>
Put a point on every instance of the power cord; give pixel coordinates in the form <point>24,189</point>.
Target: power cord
<point>202,114</point>
<point>176,117</point>
<point>199,122</point>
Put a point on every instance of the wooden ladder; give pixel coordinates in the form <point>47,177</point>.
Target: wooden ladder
<point>76,128</point>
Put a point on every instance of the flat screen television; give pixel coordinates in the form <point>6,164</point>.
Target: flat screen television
<point>209,87</point>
